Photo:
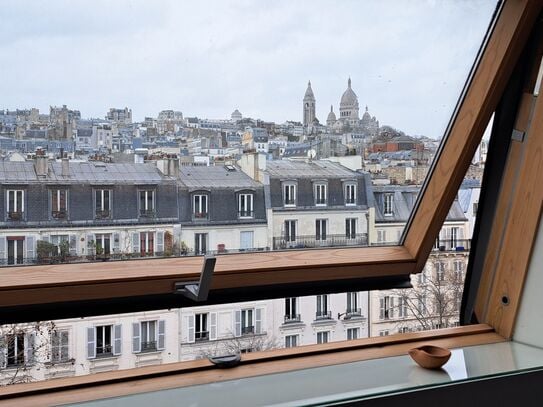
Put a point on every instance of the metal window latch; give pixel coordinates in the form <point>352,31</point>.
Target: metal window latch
<point>198,290</point>
<point>517,136</point>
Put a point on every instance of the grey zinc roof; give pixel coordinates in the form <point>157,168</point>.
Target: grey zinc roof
<point>302,169</point>
<point>82,172</point>
<point>215,177</point>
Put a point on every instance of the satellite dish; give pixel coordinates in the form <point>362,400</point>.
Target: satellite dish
<point>311,153</point>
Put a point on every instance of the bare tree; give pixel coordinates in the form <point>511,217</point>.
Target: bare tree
<point>24,350</point>
<point>240,344</point>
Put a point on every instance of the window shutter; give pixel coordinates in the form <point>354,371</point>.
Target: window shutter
<point>161,334</point>
<point>160,242</point>
<point>136,337</point>
<point>2,250</point>
<point>91,343</point>
<point>30,249</point>
<point>116,242</point>
<point>381,308</point>
<point>135,242</point>
<point>73,245</point>
<point>190,328</point>
<point>391,312</point>
<point>213,325</point>
<point>3,354</point>
<point>237,320</point>
<point>258,320</point>
<point>117,344</point>
<point>64,346</point>
<point>30,344</point>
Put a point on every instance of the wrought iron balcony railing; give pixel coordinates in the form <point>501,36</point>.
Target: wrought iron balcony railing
<point>309,241</point>
<point>148,346</point>
<point>323,315</point>
<point>201,336</point>
<point>292,318</point>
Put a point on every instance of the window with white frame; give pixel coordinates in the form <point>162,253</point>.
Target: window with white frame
<point>352,304</point>
<point>384,332</point>
<point>59,206</point>
<point>386,307</point>
<point>15,204</point>
<point>147,243</point>
<point>247,321</point>
<point>388,204</point>
<point>353,333</point>
<point>200,206</point>
<point>15,349</point>
<point>291,341</point>
<point>245,205</point>
<point>323,337</point>
<point>102,203</point>
<point>350,228</point>
<point>147,202</point>
<point>289,194</point>
<point>322,307</point>
<point>350,194</point>
<point>290,230</point>
<point>60,346</point>
<point>291,310</point>
<point>103,243</point>
<point>320,194</point>
<point>200,243</point>
<point>104,340</point>
<point>381,236</point>
<point>454,237</point>
<point>147,336</point>
<point>201,331</point>
<point>321,226</point>
<point>16,249</point>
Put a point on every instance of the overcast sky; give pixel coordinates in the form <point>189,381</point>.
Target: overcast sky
<point>408,60</point>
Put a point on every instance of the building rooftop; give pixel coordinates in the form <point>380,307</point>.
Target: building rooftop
<point>314,169</point>
<point>216,177</point>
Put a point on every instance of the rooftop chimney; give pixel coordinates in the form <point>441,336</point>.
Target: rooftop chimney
<point>40,163</point>
<point>65,167</point>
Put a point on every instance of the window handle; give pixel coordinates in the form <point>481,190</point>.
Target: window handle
<point>198,290</point>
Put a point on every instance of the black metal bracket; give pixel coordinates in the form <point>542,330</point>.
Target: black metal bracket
<point>198,290</point>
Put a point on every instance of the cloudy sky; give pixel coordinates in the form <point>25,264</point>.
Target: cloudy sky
<point>408,60</point>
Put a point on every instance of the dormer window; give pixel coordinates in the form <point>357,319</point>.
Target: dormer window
<point>289,194</point>
<point>103,203</point>
<point>15,204</point>
<point>245,205</point>
<point>388,204</point>
<point>350,194</point>
<point>59,203</point>
<point>147,203</point>
<point>320,194</point>
<point>200,206</point>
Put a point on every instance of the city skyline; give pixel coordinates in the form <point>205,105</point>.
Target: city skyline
<point>256,59</point>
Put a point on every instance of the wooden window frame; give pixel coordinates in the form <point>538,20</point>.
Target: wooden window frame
<point>517,18</point>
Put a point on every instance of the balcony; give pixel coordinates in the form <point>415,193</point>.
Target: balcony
<point>147,213</point>
<point>18,215</point>
<point>105,214</point>
<point>104,351</point>
<point>245,214</point>
<point>453,245</point>
<point>310,241</point>
<point>353,313</point>
<point>247,330</point>
<point>321,315</point>
<point>292,319</point>
<point>58,214</point>
<point>201,336</point>
<point>148,346</point>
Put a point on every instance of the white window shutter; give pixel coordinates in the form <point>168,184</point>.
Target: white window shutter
<point>136,337</point>
<point>213,325</point>
<point>190,328</point>
<point>160,242</point>
<point>161,334</point>
<point>30,243</point>
<point>30,345</point>
<point>237,322</point>
<point>116,242</point>
<point>2,250</point>
<point>91,343</point>
<point>117,340</point>
<point>73,245</point>
<point>3,354</point>
<point>381,308</point>
<point>135,242</point>
<point>391,312</point>
<point>258,320</point>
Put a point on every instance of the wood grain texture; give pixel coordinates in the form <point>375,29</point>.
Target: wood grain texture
<point>183,374</point>
<point>520,231</point>
<point>71,282</point>
<point>495,67</point>
<point>503,207</point>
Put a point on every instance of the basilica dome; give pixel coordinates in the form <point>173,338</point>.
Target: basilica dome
<point>349,98</point>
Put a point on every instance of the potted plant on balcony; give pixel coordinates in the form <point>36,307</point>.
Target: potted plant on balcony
<point>46,252</point>
<point>100,254</point>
